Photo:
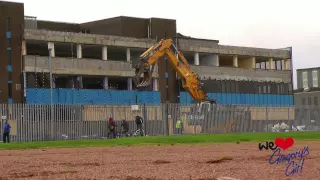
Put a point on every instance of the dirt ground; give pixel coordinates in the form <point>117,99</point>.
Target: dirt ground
<point>242,161</point>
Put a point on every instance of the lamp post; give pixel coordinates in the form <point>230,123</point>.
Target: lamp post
<point>51,95</point>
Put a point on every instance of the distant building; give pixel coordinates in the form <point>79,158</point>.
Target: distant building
<point>308,89</point>
<point>92,63</point>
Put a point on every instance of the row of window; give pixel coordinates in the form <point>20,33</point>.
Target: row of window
<point>8,24</point>
<point>8,30</point>
<point>308,101</point>
<point>314,79</point>
<point>245,87</point>
<point>278,65</point>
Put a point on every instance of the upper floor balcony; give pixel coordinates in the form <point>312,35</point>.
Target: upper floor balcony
<point>84,66</point>
<point>89,54</point>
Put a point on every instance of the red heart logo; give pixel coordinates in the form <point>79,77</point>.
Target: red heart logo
<point>284,144</point>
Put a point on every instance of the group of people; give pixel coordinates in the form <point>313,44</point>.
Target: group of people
<point>125,127</point>
<point>112,128</point>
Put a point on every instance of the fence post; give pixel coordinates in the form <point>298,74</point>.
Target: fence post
<point>145,119</point>
<point>267,124</point>
<point>288,113</point>
<point>166,113</point>
<point>248,120</point>
<point>81,120</point>
<point>289,122</point>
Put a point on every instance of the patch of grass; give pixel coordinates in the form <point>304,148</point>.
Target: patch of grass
<point>245,139</point>
<point>158,140</point>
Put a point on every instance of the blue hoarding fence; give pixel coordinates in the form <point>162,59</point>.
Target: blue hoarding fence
<point>247,99</point>
<point>86,96</point>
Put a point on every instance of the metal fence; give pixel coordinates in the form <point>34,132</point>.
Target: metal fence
<point>34,122</point>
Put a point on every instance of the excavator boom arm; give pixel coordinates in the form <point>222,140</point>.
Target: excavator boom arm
<point>190,80</point>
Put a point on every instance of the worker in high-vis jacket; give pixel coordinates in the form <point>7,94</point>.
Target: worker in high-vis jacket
<point>178,126</point>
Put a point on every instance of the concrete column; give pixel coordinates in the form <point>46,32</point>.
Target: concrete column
<point>155,85</point>
<point>271,63</point>
<point>287,64</point>
<point>79,51</point>
<point>217,60</point>
<point>51,45</point>
<point>24,48</point>
<point>79,80</point>
<point>196,59</point>
<point>105,83</point>
<point>235,61</point>
<point>253,62</point>
<point>53,82</point>
<point>128,55</point>
<point>71,82</point>
<point>104,53</point>
<point>130,84</point>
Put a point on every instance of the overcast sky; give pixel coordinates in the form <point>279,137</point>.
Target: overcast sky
<point>255,23</point>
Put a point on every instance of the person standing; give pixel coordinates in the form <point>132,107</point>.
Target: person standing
<point>125,127</point>
<point>112,127</point>
<point>6,132</point>
<point>178,126</point>
<point>139,122</point>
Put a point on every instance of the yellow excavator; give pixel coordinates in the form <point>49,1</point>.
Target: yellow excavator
<point>190,80</point>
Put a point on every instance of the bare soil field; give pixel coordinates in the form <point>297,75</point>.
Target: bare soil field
<point>236,161</point>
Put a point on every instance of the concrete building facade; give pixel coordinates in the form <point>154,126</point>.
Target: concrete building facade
<point>308,89</point>
<point>11,35</point>
<point>93,61</point>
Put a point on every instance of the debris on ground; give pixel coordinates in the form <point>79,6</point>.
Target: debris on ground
<point>226,158</point>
